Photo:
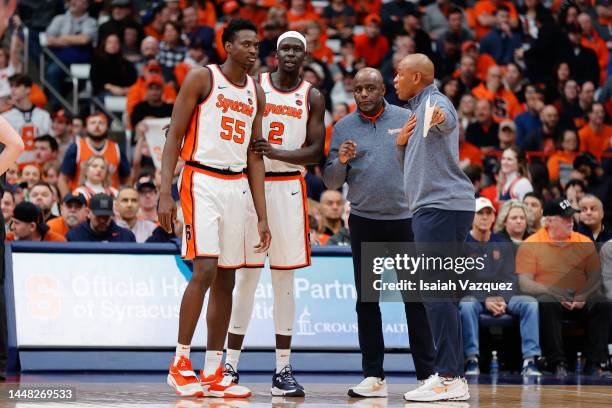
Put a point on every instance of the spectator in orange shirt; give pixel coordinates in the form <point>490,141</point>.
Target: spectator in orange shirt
<point>483,61</point>
<point>161,15</point>
<point>27,225</point>
<point>363,8</point>
<point>207,15</point>
<point>469,155</point>
<point>592,39</point>
<point>250,10</point>
<point>318,50</point>
<point>505,104</point>
<point>483,19</point>
<point>231,11</point>
<point>136,93</point>
<point>73,212</point>
<point>300,13</point>
<point>561,163</point>
<point>371,46</point>
<point>595,136</point>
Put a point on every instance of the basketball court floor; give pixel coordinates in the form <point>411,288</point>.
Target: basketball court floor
<point>150,390</point>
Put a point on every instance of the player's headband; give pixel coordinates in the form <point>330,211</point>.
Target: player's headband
<point>291,34</point>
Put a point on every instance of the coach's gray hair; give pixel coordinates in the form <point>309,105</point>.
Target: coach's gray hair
<point>505,210</point>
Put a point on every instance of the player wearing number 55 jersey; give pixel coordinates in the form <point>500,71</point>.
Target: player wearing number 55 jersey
<point>293,127</point>
<point>217,112</point>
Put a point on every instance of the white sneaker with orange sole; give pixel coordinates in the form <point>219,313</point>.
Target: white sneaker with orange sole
<point>183,380</point>
<point>436,388</point>
<point>223,384</point>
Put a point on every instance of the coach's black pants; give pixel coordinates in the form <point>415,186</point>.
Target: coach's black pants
<point>432,225</point>
<point>369,323</point>
<point>596,313</point>
<point>3,320</point>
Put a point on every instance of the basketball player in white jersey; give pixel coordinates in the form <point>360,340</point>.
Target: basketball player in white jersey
<point>217,112</point>
<point>294,135</point>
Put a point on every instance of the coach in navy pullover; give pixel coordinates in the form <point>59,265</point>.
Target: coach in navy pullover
<point>363,154</point>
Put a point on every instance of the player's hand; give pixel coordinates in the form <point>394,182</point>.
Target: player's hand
<point>166,212</point>
<point>407,131</point>
<point>347,151</point>
<point>261,147</point>
<point>438,116</point>
<point>264,237</point>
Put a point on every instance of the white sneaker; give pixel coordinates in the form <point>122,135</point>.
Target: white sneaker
<point>369,387</point>
<point>435,388</point>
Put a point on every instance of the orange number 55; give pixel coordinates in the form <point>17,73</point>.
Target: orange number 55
<point>276,132</point>
<point>232,128</point>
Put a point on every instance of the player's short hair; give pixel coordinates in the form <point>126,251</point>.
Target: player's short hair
<point>49,139</point>
<point>229,33</point>
<point>20,79</point>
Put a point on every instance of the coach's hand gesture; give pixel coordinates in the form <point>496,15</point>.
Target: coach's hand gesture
<point>264,236</point>
<point>407,131</point>
<point>166,211</point>
<point>347,151</point>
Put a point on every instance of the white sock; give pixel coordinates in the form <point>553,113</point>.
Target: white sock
<point>282,359</point>
<point>212,361</point>
<point>232,358</point>
<point>181,350</point>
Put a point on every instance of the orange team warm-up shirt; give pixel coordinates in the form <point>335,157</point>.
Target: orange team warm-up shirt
<point>111,154</point>
<point>564,265</point>
<point>556,159</point>
<point>595,143</point>
<point>505,104</point>
<point>372,51</point>
<point>58,226</point>
<point>486,7</point>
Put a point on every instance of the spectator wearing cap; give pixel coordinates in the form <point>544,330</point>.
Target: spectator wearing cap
<point>148,196</point>
<point>46,149</point>
<point>591,219</point>
<point>371,46</point>
<point>561,268</point>
<point>115,81</point>
<point>28,120</point>
<point>137,92</point>
<point>70,36</point>
<point>28,225</point>
<point>595,136</point>
<point>442,17</point>
<point>43,196</point>
<point>498,267</point>
<point>121,16</point>
<point>411,25</point>
<point>95,143</point>
<point>171,50</point>
<point>561,163</point>
<point>483,133</point>
<point>73,212</point>
<point>505,104</point>
<point>529,121</point>
<point>100,227</point>
<point>61,131</point>
<point>507,134</point>
<point>127,203</point>
<point>203,36</point>
<point>153,104</point>
<point>582,60</point>
<point>501,41</point>
<point>7,205</point>
<point>339,17</point>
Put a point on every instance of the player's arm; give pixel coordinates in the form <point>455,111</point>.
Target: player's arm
<point>195,86</point>
<point>312,152</point>
<point>256,174</point>
<point>13,145</point>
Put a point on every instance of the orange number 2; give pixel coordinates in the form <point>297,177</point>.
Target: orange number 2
<point>232,129</point>
<point>276,132</point>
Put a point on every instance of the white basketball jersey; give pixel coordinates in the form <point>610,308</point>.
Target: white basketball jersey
<point>284,121</point>
<point>219,132</point>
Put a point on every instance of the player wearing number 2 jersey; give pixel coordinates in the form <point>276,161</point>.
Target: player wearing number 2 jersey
<point>217,112</point>
<point>295,133</point>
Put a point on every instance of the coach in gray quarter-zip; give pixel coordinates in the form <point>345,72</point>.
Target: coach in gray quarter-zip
<point>363,154</point>
<point>441,198</point>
